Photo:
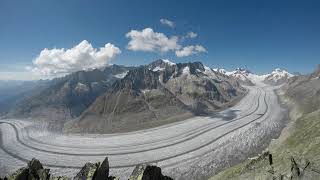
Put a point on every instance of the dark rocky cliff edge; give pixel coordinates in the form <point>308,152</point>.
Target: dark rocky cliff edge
<point>90,171</point>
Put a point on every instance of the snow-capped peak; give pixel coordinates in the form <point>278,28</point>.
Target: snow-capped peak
<point>121,75</point>
<point>158,69</point>
<point>222,71</point>
<point>186,70</point>
<point>168,62</point>
<point>242,71</point>
<point>278,75</point>
<point>160,65</point>
<point>281,72</point>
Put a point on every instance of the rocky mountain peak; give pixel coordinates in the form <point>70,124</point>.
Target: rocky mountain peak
<point>220,70</point>
<point>139,78</point>
<point>190,68</point>
<point>281,71</point>
<point>160,65</point>
<point>277,76</point>
<point>242,71</point>
<point>167,61</point>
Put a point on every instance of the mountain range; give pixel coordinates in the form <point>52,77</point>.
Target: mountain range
<point>158,93</point>
<point>246,77</point>
<point>67,97</point>
<point>118,98</point>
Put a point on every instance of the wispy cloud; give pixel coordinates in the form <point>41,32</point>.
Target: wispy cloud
<point>53,62</point>
<point>190,50</point>
<point>191,35</point>
<point>167,23</point>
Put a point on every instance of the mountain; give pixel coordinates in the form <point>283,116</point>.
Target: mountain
<point>295,154</point>
<point>12,91</point>
<point>67,97</point>
<point>243,75</point>
<point>195,84</point>
<point>277,77</point>
<point>155,94</point>
<point>12,88</point>
<point>305,90</point>
<point>220,70</point>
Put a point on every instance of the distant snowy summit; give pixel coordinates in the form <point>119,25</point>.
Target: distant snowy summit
<point>246,77</point>
<point>277,77</point>
<point>222,71</point>
<point>160,65</point>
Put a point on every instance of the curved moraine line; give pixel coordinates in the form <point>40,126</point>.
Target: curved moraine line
<point>193,135</point>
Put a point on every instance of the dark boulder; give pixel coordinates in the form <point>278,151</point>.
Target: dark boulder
<point>34,171</point>
<point>95,171</point>
<point>20,174</point>
<point>87,171</point>
<point>103,171</point>
<point>148,172</point>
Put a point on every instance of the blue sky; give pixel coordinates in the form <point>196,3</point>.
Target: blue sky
<point>258,35</point>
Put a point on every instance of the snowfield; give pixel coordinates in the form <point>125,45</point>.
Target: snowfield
<point>192,149</point>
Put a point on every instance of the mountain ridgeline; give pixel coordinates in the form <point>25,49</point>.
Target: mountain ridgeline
<point>119,98</point>
<point>245,77</point>
<point>67,97</point>
<point>156,94</point>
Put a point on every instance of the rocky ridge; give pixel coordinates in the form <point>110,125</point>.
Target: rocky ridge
<point>67,97</point>
<point>246,77</point>
<point>243,75</point>
<point>90,171</point>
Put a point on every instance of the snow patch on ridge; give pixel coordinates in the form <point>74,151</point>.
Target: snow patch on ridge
<point>186,70</point>
<point>168,62</point>
<point>158,69</point>
<point>209,72</point>
<point>121,75</point>
<point>222,71</point>
<point>80,87</point>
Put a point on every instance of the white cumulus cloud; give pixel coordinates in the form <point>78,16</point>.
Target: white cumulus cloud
<point>167,22</point>
<point>190,50</point>
<point>150,41</point>
<point>53,62</point>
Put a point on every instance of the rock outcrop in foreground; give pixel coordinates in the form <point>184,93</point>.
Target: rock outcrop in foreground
<point>90,171</point>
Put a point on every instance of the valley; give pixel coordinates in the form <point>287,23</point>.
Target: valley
<point>196,147</point>
<point>159,90</point>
